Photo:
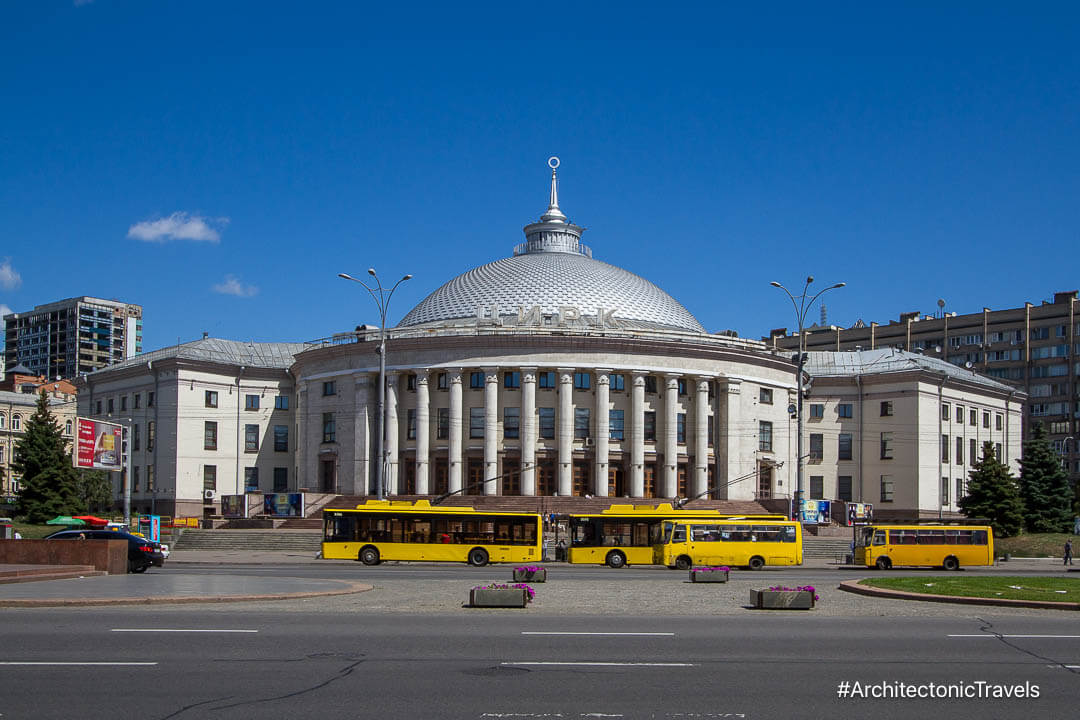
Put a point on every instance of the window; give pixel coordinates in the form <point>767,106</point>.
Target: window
<point>512,380</point>
<point>944,491</point>
<point>545,379</point>
<point>511,423</point>
<point>765,396</point>
<point>843,446</point>
<point>476,380</point>
<point>581,423</point>
<point>150,435</point>
<point>765,435</point>
<point>973,417</point>
<point>209,435</point>
<point>441,381</point>
<point>680,428</point>
<point>109,405</point>
<point>123,404</point>
<point>251,402</point>
<point>711,431</point>
<point>615,424</point>
<point>886,488</point>
<point>844,410</point>
<point>135,405</point>
<point>251,479</point>
<point>681,384</point>
<point>999,421</point>
<point>281,438</point>
<point>329,388</point>
<point>149,400</point>
<point>886,446</point>
<point>817,411</point>
<point>410,382</point>
<point>817,486</point>
<point>944,448</point>
<point>476,422</point>
<point>150,487</point>
<point>410,425</point>
<point>134,436</point>
<point>281,402</point>
<point>442,430</point>
<point>251,438</point>
<point>817,448</point>
<point>650,384</point>
<point>959,451</point>
<point>650,426</point>
<point>618,382</point>
<point>329,428</point>
<point>135,479</point>
<point>945,411</point>
<point>2,423</point>
<point>67,428</point>
<point>209,475</point>
<point>986,420</point>
<point>281,479</point>
<point>959,490</point>
<point>973,448</point>
<point>997,451</point>
<point>547,423</point>
<point>582,381</point>
<point>886,408</point>
<point>98,411</point>
<point>843,488</point>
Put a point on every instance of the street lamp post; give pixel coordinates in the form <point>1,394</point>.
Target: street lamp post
<point>382,299</point>
<point>802,306</point>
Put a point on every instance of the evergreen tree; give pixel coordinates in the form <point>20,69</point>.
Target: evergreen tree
<point>93,488</point>
<point>1044,486</point>
<point>992,493</point>
<point>44,464</point>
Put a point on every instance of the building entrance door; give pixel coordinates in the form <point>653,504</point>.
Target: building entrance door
<point>649,490</point>
<point>765,478</point>
<point>616,482</point>
<point>545,478</point>
<point>328,476</point>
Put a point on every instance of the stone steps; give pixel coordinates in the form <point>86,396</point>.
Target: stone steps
<point>829,548</point>
<point>301,540</point>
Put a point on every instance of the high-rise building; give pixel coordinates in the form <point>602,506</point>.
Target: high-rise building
<point>69,337</point>
<point>1034,348</point>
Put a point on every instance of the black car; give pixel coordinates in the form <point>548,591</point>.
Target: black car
<point>141,552</point>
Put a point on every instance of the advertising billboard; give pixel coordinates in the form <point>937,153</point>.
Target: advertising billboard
<point>815,512</point>
<point>283,504</point>
<point>859,513</point>
<point>234,506</point>
<point>99,446</point>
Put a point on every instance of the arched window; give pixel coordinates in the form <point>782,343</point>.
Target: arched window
<point>16,422</point>
<point>67,428</point>
<point>3,421</point>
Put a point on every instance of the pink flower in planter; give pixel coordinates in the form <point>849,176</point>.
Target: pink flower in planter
<point>800,588</point>
<point>529,592</point>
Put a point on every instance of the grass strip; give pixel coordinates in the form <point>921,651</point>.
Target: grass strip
<point>1052,589</point>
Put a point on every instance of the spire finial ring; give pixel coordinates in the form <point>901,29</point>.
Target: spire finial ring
<point>553,162</point>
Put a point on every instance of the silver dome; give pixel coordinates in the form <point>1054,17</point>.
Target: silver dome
<point>552,270</point>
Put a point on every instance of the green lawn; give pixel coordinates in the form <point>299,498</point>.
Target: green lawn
<point>34,532</point>
<point>1038,545</point>
<point>1054,589</point>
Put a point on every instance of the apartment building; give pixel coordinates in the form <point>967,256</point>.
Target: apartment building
<point>15,410</point>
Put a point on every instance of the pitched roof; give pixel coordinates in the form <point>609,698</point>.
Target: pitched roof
<point>890,360</point>
<point>227,352</point>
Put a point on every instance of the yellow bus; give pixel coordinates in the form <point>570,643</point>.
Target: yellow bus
<point>746,543</point>
<point>629,534</point>
<point>400,530</point>
<point>945,546</point>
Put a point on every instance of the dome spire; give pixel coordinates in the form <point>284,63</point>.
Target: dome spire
<point>553,214</point>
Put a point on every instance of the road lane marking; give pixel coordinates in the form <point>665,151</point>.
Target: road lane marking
<point>605,664</point>
<point>984,635</point>
<point>178,630</point>
<point>27,662</point>
<point>651,634</point>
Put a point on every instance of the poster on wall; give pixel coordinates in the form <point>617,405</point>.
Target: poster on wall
<point>234,506</point>
<point>859,513</point>
<point>815,512</point>
<point>99,445</point>
<point>283,504</point>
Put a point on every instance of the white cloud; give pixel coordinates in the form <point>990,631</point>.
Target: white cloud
<point>178,226</point>
<point>233,286</point>
<point>5,310</point>
<point>10,279</point>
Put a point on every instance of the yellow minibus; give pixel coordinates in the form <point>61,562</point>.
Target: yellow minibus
<point>747,543</point>
<point>945,546</point>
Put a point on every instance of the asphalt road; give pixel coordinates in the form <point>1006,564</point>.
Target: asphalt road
<point>510,664</point>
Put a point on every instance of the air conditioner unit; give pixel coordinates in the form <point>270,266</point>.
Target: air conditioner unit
<point>589,442</point>
<point>208,494</point>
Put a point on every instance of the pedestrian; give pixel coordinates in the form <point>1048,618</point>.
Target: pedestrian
<point>1068,552</point>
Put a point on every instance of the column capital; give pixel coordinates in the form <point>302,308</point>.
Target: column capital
<point>602,378</point>
<point>702,384</point>
<point>672,381</point>
<point>638,378</point>
<point>423,375</point>
<point>566,375</point>
<point>491,374</point>
<point>528,374</point>
<point>454,375</point>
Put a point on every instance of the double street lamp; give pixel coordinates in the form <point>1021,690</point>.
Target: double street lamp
<point>802,306</point>
<point>381,296</point>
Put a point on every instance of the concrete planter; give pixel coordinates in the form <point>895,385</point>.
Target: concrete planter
<point>782,599</point>
<point>534,576</point>
<point>498,597</point>
<point>708,576</point>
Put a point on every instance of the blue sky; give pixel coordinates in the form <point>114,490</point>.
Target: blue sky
<point>220,163</point>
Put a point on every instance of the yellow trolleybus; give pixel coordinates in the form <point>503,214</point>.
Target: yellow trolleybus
<point>400,530</point>
<point>629,534</point>
<point>749,543</point>
<point>945,546</point>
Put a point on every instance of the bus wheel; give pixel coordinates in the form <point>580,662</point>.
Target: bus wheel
<point>757,562</point>
<point>682,563</point>
<point>883,563</point>
<point>478,557</point>
<point>616,559</point>
<point>369,556</point>
<point>951,563</point>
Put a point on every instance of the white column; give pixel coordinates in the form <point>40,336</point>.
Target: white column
<point>603,433</point>
<point>491,430</point>
<point>727,452</point>
<point>528,431</point>
<point>455,469</point>
<point>637,436</point>
<point>669,483</point>
<point>364,411</point>
<point>301,442</point>
<point>423,432</point>
<point>565,431</point>
<point>390,472</point>
<point>701,439</point>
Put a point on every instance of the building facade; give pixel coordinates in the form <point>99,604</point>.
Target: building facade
<point>15,410</point>
<point>67,338</point>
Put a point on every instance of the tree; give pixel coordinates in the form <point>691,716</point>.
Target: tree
<point>44,464</point>
<point>1044,486</point>
<point>93,488</point>
<point>992,493</point>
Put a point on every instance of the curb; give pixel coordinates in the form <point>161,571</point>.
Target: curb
<point>853,586</point>
<point>349,589</point>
